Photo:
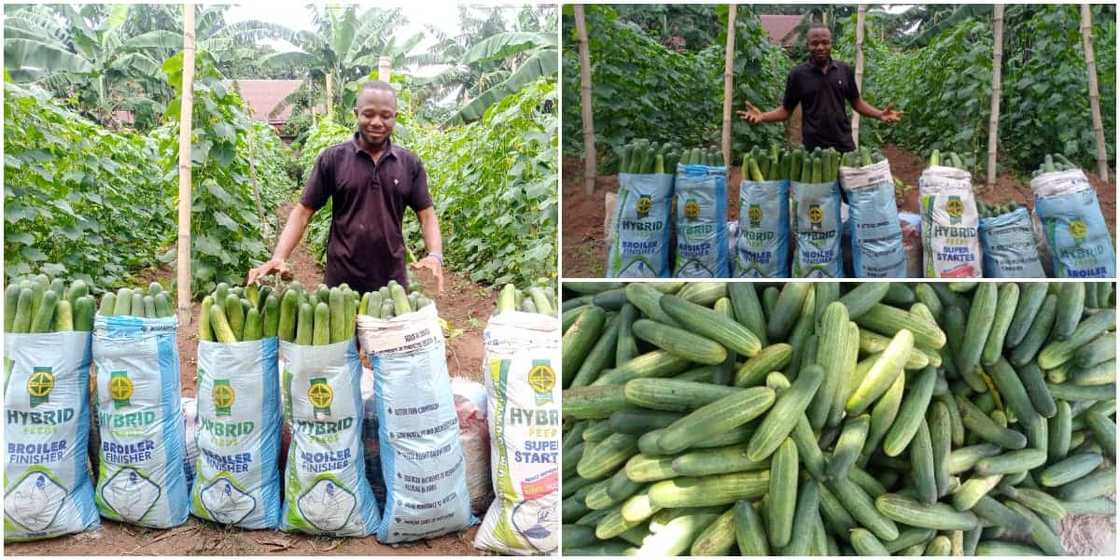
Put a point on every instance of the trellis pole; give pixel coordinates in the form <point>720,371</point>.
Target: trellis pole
<point>384,69</point>
<point>590,168</point>
<point>728,66</point>
<point>859,68</point>
<point>183,247</point>
<point>997,92</point>
<point>1094,92</point>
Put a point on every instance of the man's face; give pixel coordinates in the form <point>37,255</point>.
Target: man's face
<point>820,45</point>
<point>377,114</point>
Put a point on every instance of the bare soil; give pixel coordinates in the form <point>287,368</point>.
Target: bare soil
<point>464,305</point>
<point>584,246</point>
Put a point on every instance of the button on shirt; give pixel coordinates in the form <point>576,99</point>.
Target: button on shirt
<point>822,95</point>
<point>365,248</point>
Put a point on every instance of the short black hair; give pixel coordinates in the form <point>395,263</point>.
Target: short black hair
<point>377,85</point>
<point>818,25</point>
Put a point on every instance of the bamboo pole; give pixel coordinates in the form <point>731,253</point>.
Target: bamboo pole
<point>183,243</point>
<point>997,92</point>
<point>330,94</point>
<point>590,168</point>
<point>859,68</point>
<point>728,66</point>
<point>1094,92</point>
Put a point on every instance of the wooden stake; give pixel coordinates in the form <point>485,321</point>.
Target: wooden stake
<point>590,167</point>
<point>997,92</point>
<point>859,69</point>
<point>728,66</point>
<point>384,69</point>
<point>330,94</point>
<point>1094,92</point>
<point>183,243</point>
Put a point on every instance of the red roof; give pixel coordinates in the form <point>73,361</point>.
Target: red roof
<point>780,28</point>
<point>263,96</point>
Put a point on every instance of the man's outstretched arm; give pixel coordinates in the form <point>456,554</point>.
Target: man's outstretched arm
<point>433,242</point>
<point>887,114</point>
<point>294,228</point>
<point>754,115</point>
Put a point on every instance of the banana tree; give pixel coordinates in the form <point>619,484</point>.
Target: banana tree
<point>538,52</point>
<point>341,52</point>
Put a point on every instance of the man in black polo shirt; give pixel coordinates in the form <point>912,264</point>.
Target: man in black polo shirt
<point>370,181</point>
<point>821,85</point>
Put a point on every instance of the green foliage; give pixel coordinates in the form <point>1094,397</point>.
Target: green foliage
<point>644,90</point>
<point>1046,109</point>
<point>230,157</point>
<point>79,200</point>
<point>678,26</point>
<point>493,183</point>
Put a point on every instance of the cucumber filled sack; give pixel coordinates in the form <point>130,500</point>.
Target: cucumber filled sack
<point>48,491</point>
<point>640,244</point>
<point>762,237</point>
<point>701,217</point>
<point>1073,224</point>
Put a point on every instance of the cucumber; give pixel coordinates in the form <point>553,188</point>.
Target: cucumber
<point>938,516</point>
<point>336,307</point>
<point>289,313</point>
<point>748,309</point>
<point>787,309</point>
<point>718,538</point>
<point>63,319</point>
<point>1099,483</point>
<point>123,303</point>
<point>1011,462</point>
<point>306,325</point>
<point>1032,296</point>
<point>136,309</point>
<point>716,418</point>
<point>84,314</point>
<point>1037,334</point>
<point>674,395</point>
<point>713,490</point>
<point>911,413</point>
<point>593,402</point>
<point>711,324</point>
<point>750,533</point>
<point>771,358</point>
<point>602,354</point>
<point>888,321</point>
<point>579,340</point>
<point>41,320</point>
<point>784,414</point>
<point>626,346</point>
<point>270,322</point>
<point>11,304</point>
<point>987,429</point>
<point>1071,305</point>
<point>606,456</point>
<point>235,314</point>
<point>205,332</point>
<point>719,460</point>
<point>1006,303</point>
<point>980,319</point>
<point>887,367</point>
<point>835,357</point>
<point>1059,352</point>
<point>107,308</point>
<point>220,325</point>
<point>863,509</point>
<point>252,330</point>
<point>783,493</point>
<point>680,342</point>
<point>866,544</point>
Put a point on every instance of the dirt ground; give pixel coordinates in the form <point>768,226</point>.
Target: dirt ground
<point>584,246</point>
<point>464,305</point>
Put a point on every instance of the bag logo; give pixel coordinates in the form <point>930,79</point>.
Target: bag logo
<point>816,215</point>
<point>755,214</point>
<point>223,396</point>
<point>1078,229</point>
<point>692,209</point>
<point>40,385</point>
<point>643,206</point>
<point>955,208</point>
<point>542,379</point>
<point>120,388</point>
<point>321,395</point>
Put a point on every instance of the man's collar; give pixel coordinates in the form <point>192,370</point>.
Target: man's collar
<point>390,152</point>
<point>831,63</point>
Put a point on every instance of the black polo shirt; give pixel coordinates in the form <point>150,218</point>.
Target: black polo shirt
<point>822,96</point>
<point>365,248</point>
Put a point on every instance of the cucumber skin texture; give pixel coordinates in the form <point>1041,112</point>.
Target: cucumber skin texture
<point>980,318</point>
<point>1037,333</point>
<point>748,309</point>
<point>784,414</point>
<point>787,309</point>
<point>716,418</point>
<point>1071,304</point>
<point>936,516</point>
<point>711,324</point>
<point>270,325</point>
<point>41,321</point>
<point>909,419</point>
<point>1006,304</point>
<point>693,347</point>
<point>305,332</point>
<point>289,314</point>
<point>1031,298</point>
<point>711,490</point>
<point>782,498</point>
<point>579,340</point>
<point>220,325</point>
<point>205,331</point>
<point>750,534</point>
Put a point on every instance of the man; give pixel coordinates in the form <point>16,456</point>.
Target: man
<point>370,181</point>
<point>821,85</point>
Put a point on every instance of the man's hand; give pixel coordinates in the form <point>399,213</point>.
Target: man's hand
<point>752,115</point>
<point>431,263</point>
<point>890,115</point>
<point>269,267</point>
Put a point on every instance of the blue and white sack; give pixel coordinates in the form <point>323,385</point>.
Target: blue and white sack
<point>1007,243</point>
<point>47,487</point>
<point>141,479</point>
<point>523,402</point>
<point>762,246</point>
<point>640,246</point>
<point>1073,225</point>
<point>237,478</point>
<point>815,222</point>
<point>421,457</point>
<point>950,223</point>
<point>876,236</point>
<point>325,486</point>
<point>701,222</point>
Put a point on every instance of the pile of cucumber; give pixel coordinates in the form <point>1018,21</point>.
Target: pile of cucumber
<point>643,156</point>
<point>1054,162</point>
<point>393,300</point>
<point>239,314</point>
<point>39,304</point>
<point>864,157</point>
<point>151,303</point>
<point>818,418</point>
<point>992,210</point>
<point>948,159</point>
<point>534,299</point>
<point>710,156</point>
